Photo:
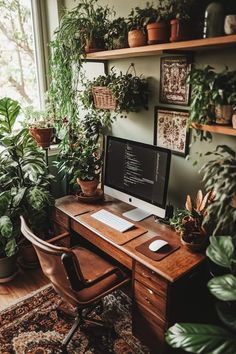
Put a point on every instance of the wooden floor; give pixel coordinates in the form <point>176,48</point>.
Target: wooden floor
<point>25,282</point>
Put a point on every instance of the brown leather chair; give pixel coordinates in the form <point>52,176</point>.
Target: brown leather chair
<point>80,276</point>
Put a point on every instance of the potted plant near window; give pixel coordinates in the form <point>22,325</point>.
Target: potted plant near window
<point>181,27</point>
<point>24,178</point>
<point>136,28</point>
<point>189,221</point>
<point>120,92</point>
<point>117,35</point>
<point>41,125</point>
<point>157,20</point>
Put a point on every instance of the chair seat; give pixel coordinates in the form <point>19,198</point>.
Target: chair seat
<point>93,267</point>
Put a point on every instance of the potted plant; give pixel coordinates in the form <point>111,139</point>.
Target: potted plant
<point>157,21</point>
<point>120,92</point>
<point>117,35</point>
<point>23,174</point>
<point>212,338</point>
<point>181,27</point>
<point>189,222</point>
<point>219,173</point>
<point>136,28</point>
<point>8,239</point>
<point>82,164</point>
<point>41,125</point>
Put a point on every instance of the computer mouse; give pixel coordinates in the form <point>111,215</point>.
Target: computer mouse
<point>157,244</point>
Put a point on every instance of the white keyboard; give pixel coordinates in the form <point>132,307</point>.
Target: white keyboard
<point>112,220</point>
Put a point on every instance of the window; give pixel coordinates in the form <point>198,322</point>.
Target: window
<point>18,69</point>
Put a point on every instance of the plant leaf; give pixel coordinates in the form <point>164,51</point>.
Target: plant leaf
<point>202,339</point>
<point>223,287</point>
<point>10,247</point>
<point>6,226</point>
<point>226,311</point>
<point>221,250</point>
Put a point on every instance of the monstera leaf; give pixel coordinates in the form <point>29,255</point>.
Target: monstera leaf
<point>201,339</point>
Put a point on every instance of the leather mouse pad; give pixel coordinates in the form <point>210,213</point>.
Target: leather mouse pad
<point>161,253</point>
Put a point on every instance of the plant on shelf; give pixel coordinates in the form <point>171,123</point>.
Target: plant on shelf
<point>117,34</point>
<point>81,30</point>
<point>120,92</point>
<point>210,90</point>
<point>208,338</point>
<point>24,179</point>
<point>181,27</point>
<point>188,222</point>
<point>136,28</point>
<point>219,173</point>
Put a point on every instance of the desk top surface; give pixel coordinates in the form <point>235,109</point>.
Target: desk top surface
<point>172,267</point>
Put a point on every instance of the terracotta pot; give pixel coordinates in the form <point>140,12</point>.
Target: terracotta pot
<point>158,32</point>
<point>136,38</point>
<point>8,268</point>
<point>92,46</point>
<point>88,188</point>
<point>43,136</point>
<point>224,114</point>
<point>180,30</point>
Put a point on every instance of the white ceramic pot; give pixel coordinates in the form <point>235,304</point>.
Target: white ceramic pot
<point>234,120</point>
<point>230,24</point>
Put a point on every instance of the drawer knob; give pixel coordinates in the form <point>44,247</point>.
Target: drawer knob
<point>147,299</point>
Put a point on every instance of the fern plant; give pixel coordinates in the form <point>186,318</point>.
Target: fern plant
<point>24,180</point>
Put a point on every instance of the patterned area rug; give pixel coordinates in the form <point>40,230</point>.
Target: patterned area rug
<point>37,325</point>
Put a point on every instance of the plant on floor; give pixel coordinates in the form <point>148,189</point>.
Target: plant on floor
<point>24,179</point>
<point>206,338</point>
<point>219,174</point>
<point>83,26</point>
<point>129,91</point>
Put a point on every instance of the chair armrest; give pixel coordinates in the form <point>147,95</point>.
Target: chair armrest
<point>88,283</point>
<point>62,240</point>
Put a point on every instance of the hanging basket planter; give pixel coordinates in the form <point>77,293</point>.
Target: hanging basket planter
<point>103,98</point>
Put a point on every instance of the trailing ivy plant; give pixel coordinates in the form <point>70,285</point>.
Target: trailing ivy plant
<point>130,91</point>
<point>206,338</point>
<point>24,179</point>
<point>219,173</point>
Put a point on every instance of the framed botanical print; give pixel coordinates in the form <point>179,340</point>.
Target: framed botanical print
<point>173,80</point>
<point>170,130</point>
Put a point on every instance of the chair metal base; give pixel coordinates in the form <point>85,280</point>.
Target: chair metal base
<point>80,319</point>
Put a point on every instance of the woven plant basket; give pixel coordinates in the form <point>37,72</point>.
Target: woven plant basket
<point>102,97</point>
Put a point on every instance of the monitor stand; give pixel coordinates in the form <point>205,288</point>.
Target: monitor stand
<point>137,214</point>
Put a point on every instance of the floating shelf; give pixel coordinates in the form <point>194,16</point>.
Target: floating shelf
<point>218,129</point>
<point>158,49</point>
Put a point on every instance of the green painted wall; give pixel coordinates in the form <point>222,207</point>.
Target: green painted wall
<point>184,178</point>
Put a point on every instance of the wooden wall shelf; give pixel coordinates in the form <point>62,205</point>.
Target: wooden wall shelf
<point>158,49</point>
<point>219,129</point>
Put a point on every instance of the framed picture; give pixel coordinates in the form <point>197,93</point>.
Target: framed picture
<point>173,75</point>
<point>170,130</point>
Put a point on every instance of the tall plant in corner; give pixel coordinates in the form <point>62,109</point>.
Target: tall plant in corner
<point>24,179</point>
<point>206,338</point>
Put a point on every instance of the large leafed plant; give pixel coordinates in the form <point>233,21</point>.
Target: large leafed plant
<point>24,180</point>
<point>206,338</point>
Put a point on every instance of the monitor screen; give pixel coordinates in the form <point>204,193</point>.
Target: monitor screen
<point>137,170</point>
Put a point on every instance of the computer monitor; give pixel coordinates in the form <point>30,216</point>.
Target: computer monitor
<point>137,174</point>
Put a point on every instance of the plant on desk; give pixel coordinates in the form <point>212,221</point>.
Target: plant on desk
<point>189,221</point>
<point>204,338</point>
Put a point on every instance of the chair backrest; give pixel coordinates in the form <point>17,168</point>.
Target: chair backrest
<point>58,263</point>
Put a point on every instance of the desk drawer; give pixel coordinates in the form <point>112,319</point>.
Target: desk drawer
<point>150,299</point>
<point>62,219</point>
<point>151,279</point>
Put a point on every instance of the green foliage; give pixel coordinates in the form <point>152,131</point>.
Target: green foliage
<point>24,180</point>
<point>208,339</point>
<point>219,173</point>
<point>130,91</point>
<point>176,220</point>
<point>181,9</point>
<point>83,26</point>
<point>116,36</point>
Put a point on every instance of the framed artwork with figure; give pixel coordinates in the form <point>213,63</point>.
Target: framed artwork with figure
<point>170,130</point>
<point>173,80</point>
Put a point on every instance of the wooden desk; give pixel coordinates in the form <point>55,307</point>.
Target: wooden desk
<point>165,291</point>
